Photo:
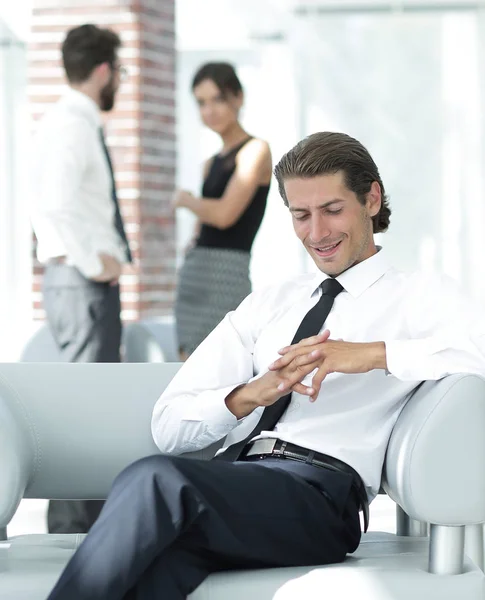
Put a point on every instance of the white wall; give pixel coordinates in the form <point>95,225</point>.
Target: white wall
<point>15,231</point>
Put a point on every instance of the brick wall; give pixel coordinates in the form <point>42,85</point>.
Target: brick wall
<point>140,131</point>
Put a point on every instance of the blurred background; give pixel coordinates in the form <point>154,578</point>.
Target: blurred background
<point>406,78</point>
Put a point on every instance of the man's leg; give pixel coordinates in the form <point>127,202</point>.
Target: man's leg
<point>84,318</point>
<point>83,315</point>
<point>174,574</point>
<point>210,515</point>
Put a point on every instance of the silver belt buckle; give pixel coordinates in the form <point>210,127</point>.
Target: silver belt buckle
<point>262,446</point>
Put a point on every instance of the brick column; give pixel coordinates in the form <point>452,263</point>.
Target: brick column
<point>140,131</point>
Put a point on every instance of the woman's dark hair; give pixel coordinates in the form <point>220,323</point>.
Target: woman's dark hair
<point>86,47</point>
<point>327,153</point>
<point>222,74</point>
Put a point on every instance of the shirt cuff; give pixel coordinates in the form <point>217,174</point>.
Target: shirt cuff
<point>211,408</point>
<point>410,360</point>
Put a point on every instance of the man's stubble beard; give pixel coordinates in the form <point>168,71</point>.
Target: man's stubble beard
<point>107,97</point>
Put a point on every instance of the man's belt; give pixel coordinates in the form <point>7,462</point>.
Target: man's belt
<point>267,447</point>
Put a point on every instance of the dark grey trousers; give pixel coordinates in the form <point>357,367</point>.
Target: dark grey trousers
<point>84,318</point>
<point>169,522</point>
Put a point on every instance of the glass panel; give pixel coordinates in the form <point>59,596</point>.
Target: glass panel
<point>409,86</point>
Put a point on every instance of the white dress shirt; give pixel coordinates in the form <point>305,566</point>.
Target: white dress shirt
<point>72,206</point>
<point>430,330</point>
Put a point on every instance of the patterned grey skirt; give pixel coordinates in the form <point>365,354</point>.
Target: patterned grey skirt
<point>211,283</point>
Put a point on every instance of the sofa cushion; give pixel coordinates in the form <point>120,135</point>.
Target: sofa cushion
<point>385,567</point>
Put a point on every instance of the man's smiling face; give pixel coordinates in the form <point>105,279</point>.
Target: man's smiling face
<point>334,226</point>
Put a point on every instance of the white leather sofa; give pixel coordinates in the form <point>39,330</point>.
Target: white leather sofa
<point>66,430</point>
<point>150,340</point>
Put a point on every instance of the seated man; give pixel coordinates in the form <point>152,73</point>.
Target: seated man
<point>307,415</point>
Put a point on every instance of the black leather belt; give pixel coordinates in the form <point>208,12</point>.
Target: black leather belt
<point>266,447</point>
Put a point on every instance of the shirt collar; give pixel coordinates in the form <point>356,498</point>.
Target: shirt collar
<point>360,277</point>
<point>85,105</point>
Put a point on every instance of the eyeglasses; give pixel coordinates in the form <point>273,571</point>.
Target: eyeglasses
<point>122,71</point>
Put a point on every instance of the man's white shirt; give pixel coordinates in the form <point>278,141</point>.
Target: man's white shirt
<point>71,197</point>
<point>430,330</point>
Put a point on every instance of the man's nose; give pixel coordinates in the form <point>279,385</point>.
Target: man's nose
<point>319,229</point>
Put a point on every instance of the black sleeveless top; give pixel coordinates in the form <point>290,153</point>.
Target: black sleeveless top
<point>239,236</point>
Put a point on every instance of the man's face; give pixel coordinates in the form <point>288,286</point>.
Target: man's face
<point>335,228</point>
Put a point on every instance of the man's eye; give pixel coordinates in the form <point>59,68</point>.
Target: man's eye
<point>300,217</point>
<point>334,212</point>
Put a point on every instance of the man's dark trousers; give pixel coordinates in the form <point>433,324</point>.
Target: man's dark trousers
<point>84,318</point>
<point>171,521</point>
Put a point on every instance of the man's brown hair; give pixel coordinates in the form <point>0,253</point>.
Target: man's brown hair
<point>85,47</point>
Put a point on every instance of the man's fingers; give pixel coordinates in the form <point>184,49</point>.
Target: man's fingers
<point>286,387</point>
<point>311,341</point>
<point>298,360</point>
<point>291,378</point>
<point>319,377</point>
<point>280,363</point>
<point>299,388</point>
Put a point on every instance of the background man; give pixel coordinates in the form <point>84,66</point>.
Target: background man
<point>77,221</point>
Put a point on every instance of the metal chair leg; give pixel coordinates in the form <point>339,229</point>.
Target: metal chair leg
<point>408,527</point>
<point>474,548</point>
<point>446,549</point>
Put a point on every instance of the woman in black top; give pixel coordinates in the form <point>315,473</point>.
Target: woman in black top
<point>214,278</point>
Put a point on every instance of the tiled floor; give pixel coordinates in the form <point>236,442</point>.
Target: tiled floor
<point>31,517</point>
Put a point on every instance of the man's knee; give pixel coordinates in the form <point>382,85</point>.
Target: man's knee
<point>146,467</point>
<point>163,472</point>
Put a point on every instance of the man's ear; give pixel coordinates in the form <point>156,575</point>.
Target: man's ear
<point>102,73</point>
<point>374,199</point>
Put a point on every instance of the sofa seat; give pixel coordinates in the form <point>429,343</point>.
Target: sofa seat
<point>385,567</point>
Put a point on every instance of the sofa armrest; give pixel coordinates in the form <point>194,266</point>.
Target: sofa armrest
<point>435,462</point>
<point>67,430</point>
<point>17,452</point>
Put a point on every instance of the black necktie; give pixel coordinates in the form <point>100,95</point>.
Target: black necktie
<point>311,325</point>
<point>118,220</point>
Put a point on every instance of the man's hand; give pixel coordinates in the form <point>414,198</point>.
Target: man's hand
<point>333,356</point>
<point>111,269</point>
<point>273,385</point>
